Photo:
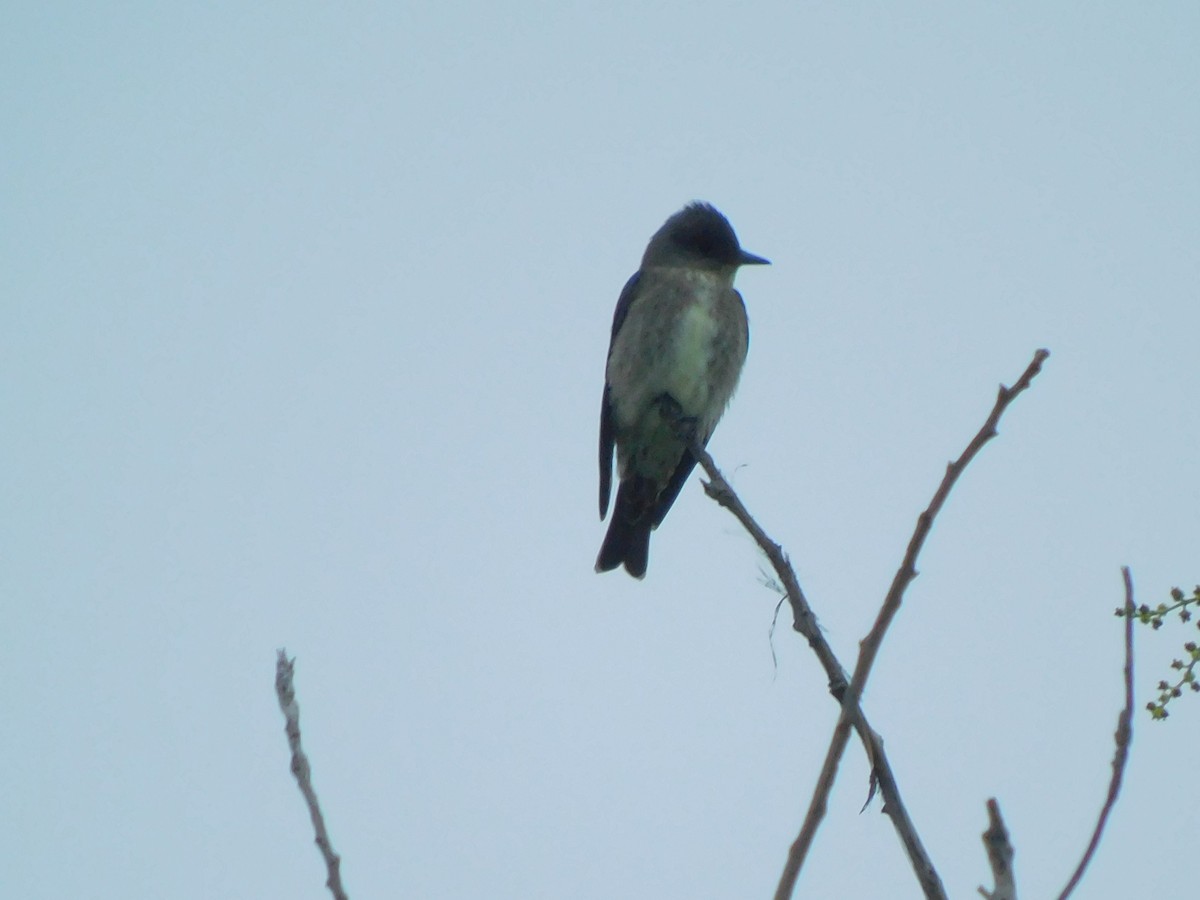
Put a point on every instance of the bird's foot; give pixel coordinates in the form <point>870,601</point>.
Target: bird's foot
<point>672,413</point>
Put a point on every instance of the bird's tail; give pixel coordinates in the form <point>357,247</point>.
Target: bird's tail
<point>628,538</point>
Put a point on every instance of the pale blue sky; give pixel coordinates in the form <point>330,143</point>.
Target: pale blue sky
<point>303,314</point>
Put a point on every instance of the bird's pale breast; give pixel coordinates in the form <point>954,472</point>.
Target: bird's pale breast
<point>686,337</point>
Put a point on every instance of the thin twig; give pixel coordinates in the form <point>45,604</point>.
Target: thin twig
<point>869,648</point>
<point>1123,737</point>
<point>1000,856</point>
<point>286,692</point>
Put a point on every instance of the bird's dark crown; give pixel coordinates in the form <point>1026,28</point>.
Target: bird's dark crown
<point>701,229</point>
<point>697,234</point>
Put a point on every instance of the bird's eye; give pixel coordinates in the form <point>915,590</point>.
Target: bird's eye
<point>708,243</point>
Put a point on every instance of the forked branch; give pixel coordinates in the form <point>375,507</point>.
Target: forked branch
<point>869,648</point>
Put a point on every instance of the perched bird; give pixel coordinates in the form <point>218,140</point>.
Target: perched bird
<point>679,339</point>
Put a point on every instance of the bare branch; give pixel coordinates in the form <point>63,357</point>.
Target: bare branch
<point>286,692</point>
<point>1000,856</point>
<point>1123,737</point>
<point>870,645</point>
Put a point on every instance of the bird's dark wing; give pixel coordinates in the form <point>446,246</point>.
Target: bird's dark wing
<point>747,324</point>
<point>607,439</point>
<point>668,495</point>
<point>607,426</point>
<point>623,303</point>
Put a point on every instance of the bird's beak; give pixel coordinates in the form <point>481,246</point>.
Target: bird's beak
<point>749,259</point>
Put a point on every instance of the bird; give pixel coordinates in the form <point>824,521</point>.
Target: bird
<point>679,341</point>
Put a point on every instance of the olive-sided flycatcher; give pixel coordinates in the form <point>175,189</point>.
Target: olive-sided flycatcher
<point>679,339</point>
